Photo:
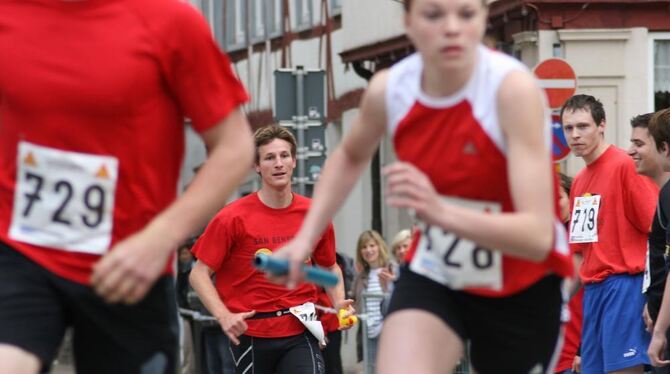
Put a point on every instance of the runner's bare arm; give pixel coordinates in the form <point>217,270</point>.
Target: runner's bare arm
<point>232,324</point>
<point>526,233</point>
<point>657,346</point>
<point>574,283</point>
<point>336,294</point>
<point>129,270</point>
<point>341,171</point>
<point>200,279</point>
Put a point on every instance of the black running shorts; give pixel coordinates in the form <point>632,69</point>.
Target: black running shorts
<point>514,334</point>
<point>299,354</point>
<point>37,306</point>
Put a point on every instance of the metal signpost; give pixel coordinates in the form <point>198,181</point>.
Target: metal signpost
<point>300,105</point>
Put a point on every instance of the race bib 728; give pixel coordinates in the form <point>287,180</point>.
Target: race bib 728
<point>458,262</point>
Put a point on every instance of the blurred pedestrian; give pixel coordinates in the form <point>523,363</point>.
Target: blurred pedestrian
<point>93,96</point>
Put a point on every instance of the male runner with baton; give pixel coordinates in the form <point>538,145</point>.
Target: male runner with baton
<point>265,322</point>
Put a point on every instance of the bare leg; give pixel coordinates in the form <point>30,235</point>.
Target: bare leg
<point>16,360</point>
<point>415,341</point>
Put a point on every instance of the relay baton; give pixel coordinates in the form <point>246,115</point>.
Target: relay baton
<point>313,274</point>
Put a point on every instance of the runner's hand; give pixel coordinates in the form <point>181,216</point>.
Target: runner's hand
<point>408,187</point>
<point>129,270</point>
<point>577,364</point>
<point>657,348</point>
<point>386,277</point>
<point>647,319</point>
<point>296,252</point>
<point>348,306</point>
<point>234,324</point>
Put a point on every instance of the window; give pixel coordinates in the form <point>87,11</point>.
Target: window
<point>303,14</point>
<point>235,24</point>
<point>256,21</point>
<point>196,3</point>
<point>216,20</point>
<point>204,9</point>
<point>335,7</point>
<point>265,19</point>
<point>661,73</point>
<point>273,17</point>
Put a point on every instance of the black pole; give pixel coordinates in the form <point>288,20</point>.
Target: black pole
<point>375,166</point>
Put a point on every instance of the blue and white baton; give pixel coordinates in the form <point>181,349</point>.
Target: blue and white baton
<point>313,274</point>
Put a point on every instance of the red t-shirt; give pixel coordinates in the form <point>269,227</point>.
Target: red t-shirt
<point>111,78</point>
<point>228,246</point>
<point>573,333</point>
<point>459,144</point>
<point>627,206</point>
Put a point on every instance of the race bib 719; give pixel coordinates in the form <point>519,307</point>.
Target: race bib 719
<point>584,219</point>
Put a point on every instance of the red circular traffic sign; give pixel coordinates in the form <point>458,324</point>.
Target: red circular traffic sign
<point>558,80</point>
<point>559,145</point>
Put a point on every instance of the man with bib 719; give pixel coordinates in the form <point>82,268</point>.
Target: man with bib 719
<point>612,211</point>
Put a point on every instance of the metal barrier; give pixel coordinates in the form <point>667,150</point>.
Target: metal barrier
<point>369,367</point>
<point>464,366</point>
<point>199,324</point>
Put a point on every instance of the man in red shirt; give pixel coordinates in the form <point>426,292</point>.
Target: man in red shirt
<point>93,96</point>
<point>649,161</point>
<point>612,212</point>
<point>266,322</point>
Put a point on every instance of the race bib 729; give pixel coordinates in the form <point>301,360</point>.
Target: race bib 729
<point>63,200</point>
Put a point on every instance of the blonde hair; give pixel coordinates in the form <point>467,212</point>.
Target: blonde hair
<point>363,239</point>
<point>400,237</point>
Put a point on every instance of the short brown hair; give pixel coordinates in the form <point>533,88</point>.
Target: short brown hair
<point>585,102</point>
<point>267,134</point>
<point>659,128</point>
<point>408,4</point>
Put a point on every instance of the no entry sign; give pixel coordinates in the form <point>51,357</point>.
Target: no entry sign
<point>558,79</point>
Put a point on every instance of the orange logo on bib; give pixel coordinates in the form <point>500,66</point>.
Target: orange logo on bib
<point>102,173</point>
<point>30,159</point>
<point>263,251</point>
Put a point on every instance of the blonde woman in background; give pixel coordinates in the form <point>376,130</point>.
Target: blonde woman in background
<point>371,258</point>
<point>400,245</point>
